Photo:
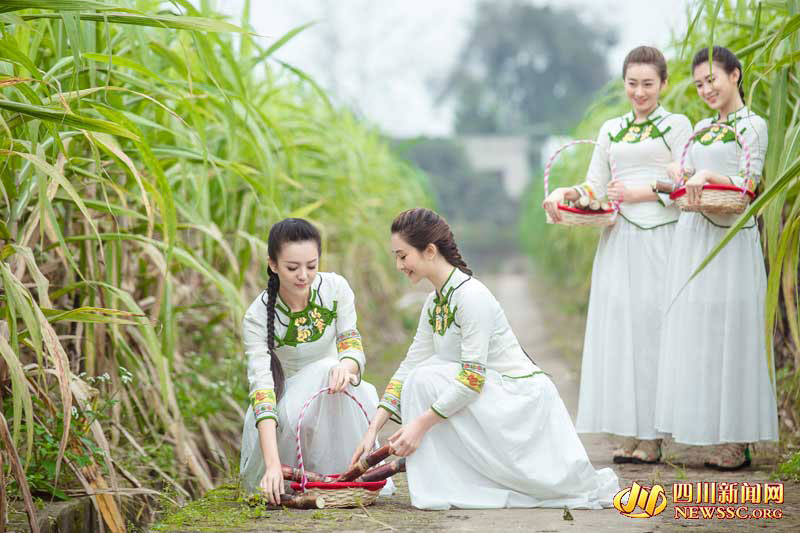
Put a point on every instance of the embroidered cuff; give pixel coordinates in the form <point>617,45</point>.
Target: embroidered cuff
<point>348,344</point>
<point>472,375</point>
<point>263,402</point>
<point>391,399</point>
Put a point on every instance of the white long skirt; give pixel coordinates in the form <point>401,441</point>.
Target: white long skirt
<point>714,381</point>
<point>333,426</point>
<point>515,446</point>
<point>623,326</point>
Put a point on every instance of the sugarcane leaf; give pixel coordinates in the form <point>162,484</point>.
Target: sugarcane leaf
<point>64,118</point>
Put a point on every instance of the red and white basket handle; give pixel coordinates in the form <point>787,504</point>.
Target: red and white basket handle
<point>611,163</point>
<point>739,138</point>
<point>320,392</point>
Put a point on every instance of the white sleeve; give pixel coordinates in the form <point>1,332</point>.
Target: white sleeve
<point>599,173</point>
<point>421,349</point>
<point>680,131</point>
<point>475,315</point>
<point>348,339</point>
<point>259,375</point>
<point>756,138</point>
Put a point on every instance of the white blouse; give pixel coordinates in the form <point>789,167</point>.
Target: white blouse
<point>325,328</point>
<point>719,151</point>
<point>464,324</point>
<point>641,152</point>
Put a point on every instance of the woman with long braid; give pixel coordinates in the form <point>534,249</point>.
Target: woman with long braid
<point>482,425</point>
<point>300,336</point>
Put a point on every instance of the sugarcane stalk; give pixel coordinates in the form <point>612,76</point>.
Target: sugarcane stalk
<point>382,472</point>
<point>294,474</point>
<point>302,501</point>
<point>605,206</point>
<point>583,202</point>
<point>594,205</point>
<point>366,463</point>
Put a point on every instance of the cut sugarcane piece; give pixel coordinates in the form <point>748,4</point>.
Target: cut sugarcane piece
<point>594,205</point>
<point>582,202</point>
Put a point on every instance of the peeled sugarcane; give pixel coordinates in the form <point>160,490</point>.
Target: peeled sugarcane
<point>605,206</point>
<point>366,463</point>
<point>582,202</point>
<point>594,205</point>
<point>294,474</point>
<point>384,471</point>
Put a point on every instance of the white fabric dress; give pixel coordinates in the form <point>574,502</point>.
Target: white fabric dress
<point>507,440</point>
<point>714,381</point>
<point>626,302</point>
<point>308,343</point>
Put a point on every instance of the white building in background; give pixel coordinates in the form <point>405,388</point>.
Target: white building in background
<point>506,156</point>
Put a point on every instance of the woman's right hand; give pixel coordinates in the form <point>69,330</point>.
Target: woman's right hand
<point>365,446</point>
<point>272,484</point>
<point>550,204</point>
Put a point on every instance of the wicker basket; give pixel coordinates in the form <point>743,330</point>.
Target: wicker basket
<point>571,216</point>
<point>717,199</point>
<point>346,494</point>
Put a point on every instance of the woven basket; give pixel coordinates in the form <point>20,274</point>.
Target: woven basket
<point>717,199</point>
<point>346,494</point>
<point>571,216</point>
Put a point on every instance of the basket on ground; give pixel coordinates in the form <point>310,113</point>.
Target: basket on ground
<point>717,199</point>
<point>572,216</point>
<point>345,494</point>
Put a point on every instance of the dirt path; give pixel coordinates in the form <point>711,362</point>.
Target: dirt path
<point>552,344</point>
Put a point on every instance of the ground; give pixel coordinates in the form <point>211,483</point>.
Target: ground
<point>554,341</point>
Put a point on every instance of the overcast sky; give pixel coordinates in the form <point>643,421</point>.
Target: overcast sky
<point>382,58</point>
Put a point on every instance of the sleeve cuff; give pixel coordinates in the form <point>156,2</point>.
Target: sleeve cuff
<point>348,345</point>
<point>391,399</point>
<point>263,403</point>
<point>466,389</point>
<point>435,410</point>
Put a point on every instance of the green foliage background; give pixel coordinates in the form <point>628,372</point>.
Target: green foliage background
<point>145,150</point>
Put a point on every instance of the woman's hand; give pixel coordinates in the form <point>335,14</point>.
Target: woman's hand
<point>272,484</point>
<point>550,204</point>
<point>340,376</point>
<point>406,440</point>
<point>364,446</point>
<point>617,191</point>
<point>694,187</point>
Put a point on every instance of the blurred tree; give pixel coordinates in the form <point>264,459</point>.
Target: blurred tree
<point>526,69</point>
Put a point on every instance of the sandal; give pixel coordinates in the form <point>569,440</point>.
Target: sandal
<point>730,457</point>
<point>647,452</point>
<point>624,454</point>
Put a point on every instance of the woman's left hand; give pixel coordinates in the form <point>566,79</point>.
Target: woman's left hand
<point>694,187</point>
<point>406,440</point>
<point>616,191</point>
<point>340,377</point>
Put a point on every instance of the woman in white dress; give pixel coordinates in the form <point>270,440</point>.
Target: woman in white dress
<point>626,302</point>
<point>300,335</point>
<point>483,426</point>
<point>714,379</point>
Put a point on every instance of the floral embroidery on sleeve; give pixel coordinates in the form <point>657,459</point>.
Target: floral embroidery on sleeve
<point>349,340</point>
<point>391,397</point>
<point>472,375</point>
<point>263,402</point>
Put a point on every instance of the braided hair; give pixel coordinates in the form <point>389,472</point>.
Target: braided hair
<point>285,231</point>
<point>723,57</point>
<point>420,227</point>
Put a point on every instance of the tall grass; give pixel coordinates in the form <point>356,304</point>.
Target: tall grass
<point>144,154</point>
<point>766,37</point>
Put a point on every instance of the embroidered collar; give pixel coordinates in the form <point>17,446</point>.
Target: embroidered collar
<point>443,314</point>
<point>633,132</point>
<point>313,298</point>
<point>742,112</point>
<point>655,114</point>
<point>308,324</point>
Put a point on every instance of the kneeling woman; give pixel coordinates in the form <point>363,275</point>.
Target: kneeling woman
<point>483,427</point>
<point>304,324</point>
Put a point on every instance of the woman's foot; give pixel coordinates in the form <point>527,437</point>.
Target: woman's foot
<point>728,457</point>
<point>647,452</point>
<point>624,454</point>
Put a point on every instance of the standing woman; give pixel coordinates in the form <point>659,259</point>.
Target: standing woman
<point>620,349</point>
<point>714,382</point>
<point>483,426</point>
<point>300,335</point>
